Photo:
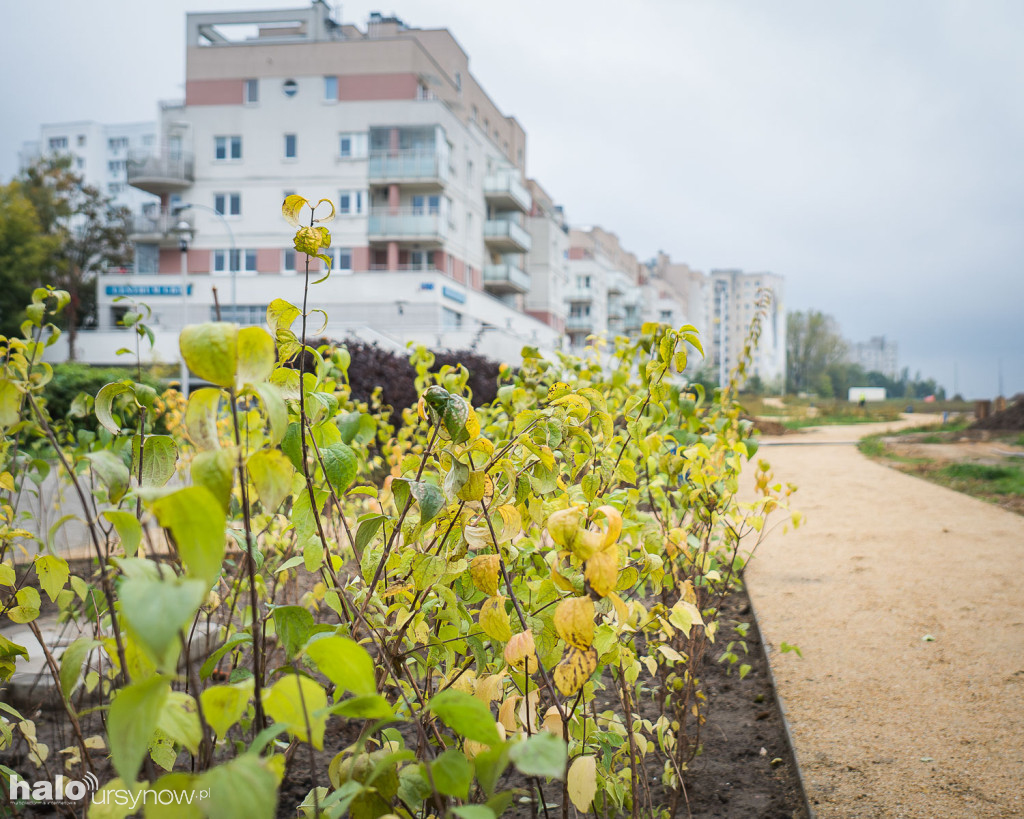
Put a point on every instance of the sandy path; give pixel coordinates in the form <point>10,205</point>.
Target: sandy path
<point>885,723</point>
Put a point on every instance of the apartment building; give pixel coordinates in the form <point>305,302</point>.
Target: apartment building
<point>99,154</point>
<point>878,354</point>
<point>434,215</point>
<point>731,298</point>
<point>547,263</point>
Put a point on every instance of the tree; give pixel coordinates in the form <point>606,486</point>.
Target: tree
<point>813,344</point>
<point>90,234</point>
<point>24,254</point>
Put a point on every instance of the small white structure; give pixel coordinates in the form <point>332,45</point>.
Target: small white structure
<point>866,393</point>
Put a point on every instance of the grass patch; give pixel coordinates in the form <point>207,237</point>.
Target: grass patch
<point>982,479</point>
<point>839,418</point>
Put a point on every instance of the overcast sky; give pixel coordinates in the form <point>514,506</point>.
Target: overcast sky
<point>870,151</point>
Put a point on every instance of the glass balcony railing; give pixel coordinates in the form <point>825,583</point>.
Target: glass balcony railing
<point>160,173</point>
<point>506,278</point>
<point>579,323</point>
<point>506,192</point>
<point>406,224</point>
<point>407,165</point>
<point>507,237</point>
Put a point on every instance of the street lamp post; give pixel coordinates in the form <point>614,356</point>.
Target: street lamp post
<point>231,257</point>
<point>184,232</point>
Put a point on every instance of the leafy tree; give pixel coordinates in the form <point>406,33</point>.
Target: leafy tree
<point>90,234</point>
<point>24,252</point>
<point>813,344</point>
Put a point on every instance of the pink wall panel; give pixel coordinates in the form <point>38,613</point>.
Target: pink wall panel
<point>376,87</point>
<point>214,92</point>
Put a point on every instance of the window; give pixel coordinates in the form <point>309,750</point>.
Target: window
<point>116,166</point>
<point>469,171</point>
<point>291,146</point>
<point>351,203</point>
<point>114,188</point>
<point>421,259</point>
<point>240,261</point>
<point>341,258</point>
<point>147,259</point>
<point>288,263</point>
<point>117,143</point>
<point>434,204</point>
<point>330,89</point>
<point>244,314</point>
<point>450,319</point>
<point>228,204</point>
<point>252,92</point>
<point>290,88</point>
<point>352,146</point>
<point>148,140</point>
<point>417,205</point>
<point>458,80</point>
<point>474,114</point>
<point>58,143</point>
<point>666,315</point>
<point>79,162</point>
<point>81,140</point>
<point>583,282</point>
<point>227,147</point>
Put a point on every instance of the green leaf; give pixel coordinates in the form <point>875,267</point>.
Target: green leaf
<point>10,403</point>
<point>256,355</point>
<point>490,765</point>
<point>196,521</point>
<point>180,721</point>
<point>201,417</point>
<point>474,812</point>
<point>293,701</point>
<point>155,611</point>
<point>367,530</point>
<point>53,574</point>
<point>340,466</point>
<point>271,474</point>
<point>128,529</point>
<point>182,801</point>
<point>233,642</point>
<point>224,705</point>
<point>294,626</point>
<point>244,788</point>
<point>9,653</point>
<point>131,722</point>
<point>344,662</point>
<point>277,411</point>
<point>112,472</point>
<point>291,445</point>
<point>429,497</point>
<point>215,470</point>
<point>71,663</point>
<point>543,754</point>
<point>452,774</point>
<point>27,609</point>
<point>211,351</point>
<point>104,404</point>
<point>466,716</point>
<point>369,706</point>
<point>159,456</point>
<point>427,570</point>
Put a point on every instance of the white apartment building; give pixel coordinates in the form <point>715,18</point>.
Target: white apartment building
<point>878,354</point>
<point>609,291</point>
<point>730,307</point>
<point>99,154</point>
<point>426,174</point>
<point>547,263</point>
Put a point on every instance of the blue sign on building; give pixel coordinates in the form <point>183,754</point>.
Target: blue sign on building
<point>454,295</point>
<point>145,290</point>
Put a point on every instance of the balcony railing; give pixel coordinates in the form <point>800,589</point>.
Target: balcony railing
<point>506,192</point>
<point>404,268</point>
<point>160,223</point>
<point>160,173</point>
<point>406,225</point>
<point>506,237</point>
<point>579,323</point>
<point>416,165</point>
<point>579,294</point>
<point>505,278</point>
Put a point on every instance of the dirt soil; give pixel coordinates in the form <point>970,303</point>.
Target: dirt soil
<point>1011,418</point>
<point>906,601</point>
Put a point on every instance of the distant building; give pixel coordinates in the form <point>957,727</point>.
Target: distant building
<point>99,154</point>
<point>731,299</point>
<point>435,217</point>
<point>878,354</point>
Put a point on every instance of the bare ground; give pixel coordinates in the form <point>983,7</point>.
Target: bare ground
<point>887,723</point>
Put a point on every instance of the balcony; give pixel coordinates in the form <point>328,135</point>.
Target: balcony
<point>163,173</point>
<point>158,227</point>
<point>585,323</point>
<point>505,192</point>
<point>408,166</point>
<point>502,236</point>
<point>580,294</point>
<point>406,225</point>
<point>505,278</point>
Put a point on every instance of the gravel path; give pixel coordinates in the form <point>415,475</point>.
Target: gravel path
<point>907,600</point>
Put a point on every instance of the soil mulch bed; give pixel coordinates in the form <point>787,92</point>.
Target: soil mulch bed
<point>746,767</point>
<point>1011,418</point>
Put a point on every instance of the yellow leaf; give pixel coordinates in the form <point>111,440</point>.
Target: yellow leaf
<point>552,722</point>
<point>484,571</point>
<point>574,670</point>
<point>329,217</point>
<point>621,611</point>
<point>614,518</point>
<point>507,713</point>
<point>511,521</point>
<point>521,652</point>
<point>528,710</point>
<point>574,621</point>
<point>494,619</point>
<point>474,487</point>
<point>564,525</point>
<point>582,782</point>
<point>489,688</point>
<point>292,207</point>
<point>602,570</point>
